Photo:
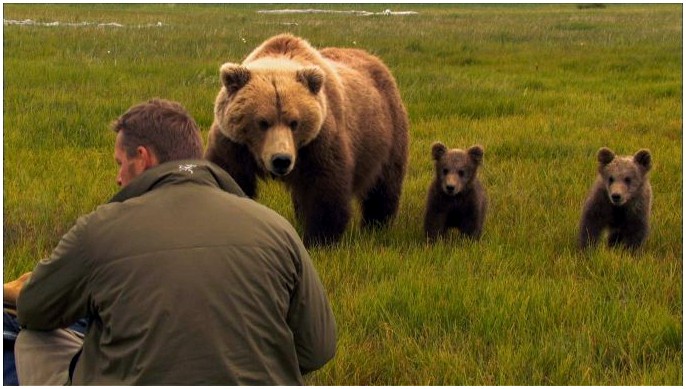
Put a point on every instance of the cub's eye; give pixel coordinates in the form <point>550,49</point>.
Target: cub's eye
<point>446,171</point>
<point>264,125</point>
<point>294,125</point>
<point>460,173</point>
<point>611,180</point>
<point>627,180</point>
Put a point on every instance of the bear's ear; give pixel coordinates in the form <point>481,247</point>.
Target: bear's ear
<point>234,77</point>
<point>438,149</point>
<point>605,156</point>
<point>476,153</point>
<point>312,77</point>
<point>643,158</point>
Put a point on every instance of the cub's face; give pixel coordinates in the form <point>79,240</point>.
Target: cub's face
<point>273,110</point>
<point>623,177</point>
<point>456,168</point>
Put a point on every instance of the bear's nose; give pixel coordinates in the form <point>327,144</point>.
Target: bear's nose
<point>450,188</point>
<point>281,163</point>
<point>616,198</point>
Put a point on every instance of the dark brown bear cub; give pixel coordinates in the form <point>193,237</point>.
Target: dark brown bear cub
<point>456,197</point>
<point>619,201</point>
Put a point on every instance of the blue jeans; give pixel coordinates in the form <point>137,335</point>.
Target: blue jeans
<point>10,330</point>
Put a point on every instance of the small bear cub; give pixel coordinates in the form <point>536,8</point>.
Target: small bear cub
<point>456,198</point>
<point>619,201</point>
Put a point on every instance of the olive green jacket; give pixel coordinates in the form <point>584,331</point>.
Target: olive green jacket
<point>186,282</point>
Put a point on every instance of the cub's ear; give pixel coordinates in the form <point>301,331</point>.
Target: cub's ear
<point>476,153</point>
<point>438,149</point>
<point>312,77</point>
<point>234,77</point>
<point>605,156</point>
<point>643,158</point>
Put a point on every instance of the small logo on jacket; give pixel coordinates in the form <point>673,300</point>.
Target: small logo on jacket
<point>187,168</point>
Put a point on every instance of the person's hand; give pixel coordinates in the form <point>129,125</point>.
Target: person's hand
<point>11,289</point>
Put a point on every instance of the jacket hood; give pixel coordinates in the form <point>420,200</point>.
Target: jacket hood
<point>188,170</point>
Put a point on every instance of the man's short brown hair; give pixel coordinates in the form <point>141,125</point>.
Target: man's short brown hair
<point>162,126</point>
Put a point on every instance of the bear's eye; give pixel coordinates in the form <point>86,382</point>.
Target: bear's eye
<point>460,173</point>
<point>611,180</point>
<point>446,171</point>
<point>627,180</point>
<point>294,125</point>
<point>264,125</point>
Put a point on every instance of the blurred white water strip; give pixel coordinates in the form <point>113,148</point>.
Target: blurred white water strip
<point>29,22</point>
<point>325,11</point>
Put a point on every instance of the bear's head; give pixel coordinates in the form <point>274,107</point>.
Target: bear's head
<point>455,168</point>
<point>623,177</point>
<point>272,106</point>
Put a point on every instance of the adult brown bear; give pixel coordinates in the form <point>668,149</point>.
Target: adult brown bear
<point>329,124</point>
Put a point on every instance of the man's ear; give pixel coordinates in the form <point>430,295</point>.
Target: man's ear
<point>147,157</point>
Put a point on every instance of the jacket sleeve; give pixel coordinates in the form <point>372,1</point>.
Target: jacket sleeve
<point>55,296</point>
<point>310,318</point>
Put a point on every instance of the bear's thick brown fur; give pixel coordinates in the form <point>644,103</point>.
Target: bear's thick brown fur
<point>456,197</point>
<point>328,123</point>
<point>619,201</point>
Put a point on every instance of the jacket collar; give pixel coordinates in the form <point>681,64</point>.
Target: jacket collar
<point>189,170</point>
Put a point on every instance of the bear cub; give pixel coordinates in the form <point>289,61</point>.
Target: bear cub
<point>456,198</point>
<point>619,201</point>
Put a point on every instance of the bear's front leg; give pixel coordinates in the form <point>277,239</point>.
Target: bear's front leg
<point>235,159</point>
<point>325,222</point>
<point>471,230</point>
<point>435,223</point>
<point>470,221</point>
<point>631,236</point>
<point>297,209</point>
<point>590,229</point>
<point>325,215</point>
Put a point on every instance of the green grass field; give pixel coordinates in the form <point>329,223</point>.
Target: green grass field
<point>541,87</point>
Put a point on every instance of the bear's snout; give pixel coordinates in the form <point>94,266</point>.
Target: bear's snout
<point>616,198</point>
<point>452,188</point>
<point>451,184</point>
<point>281,164</point>
<point>279,152</point>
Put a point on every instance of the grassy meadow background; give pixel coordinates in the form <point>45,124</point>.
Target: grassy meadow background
<point>541,87</point>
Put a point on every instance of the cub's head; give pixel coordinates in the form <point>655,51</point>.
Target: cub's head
<point>456,168</point>
<point>623,176</point>
<point>272,106</point>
